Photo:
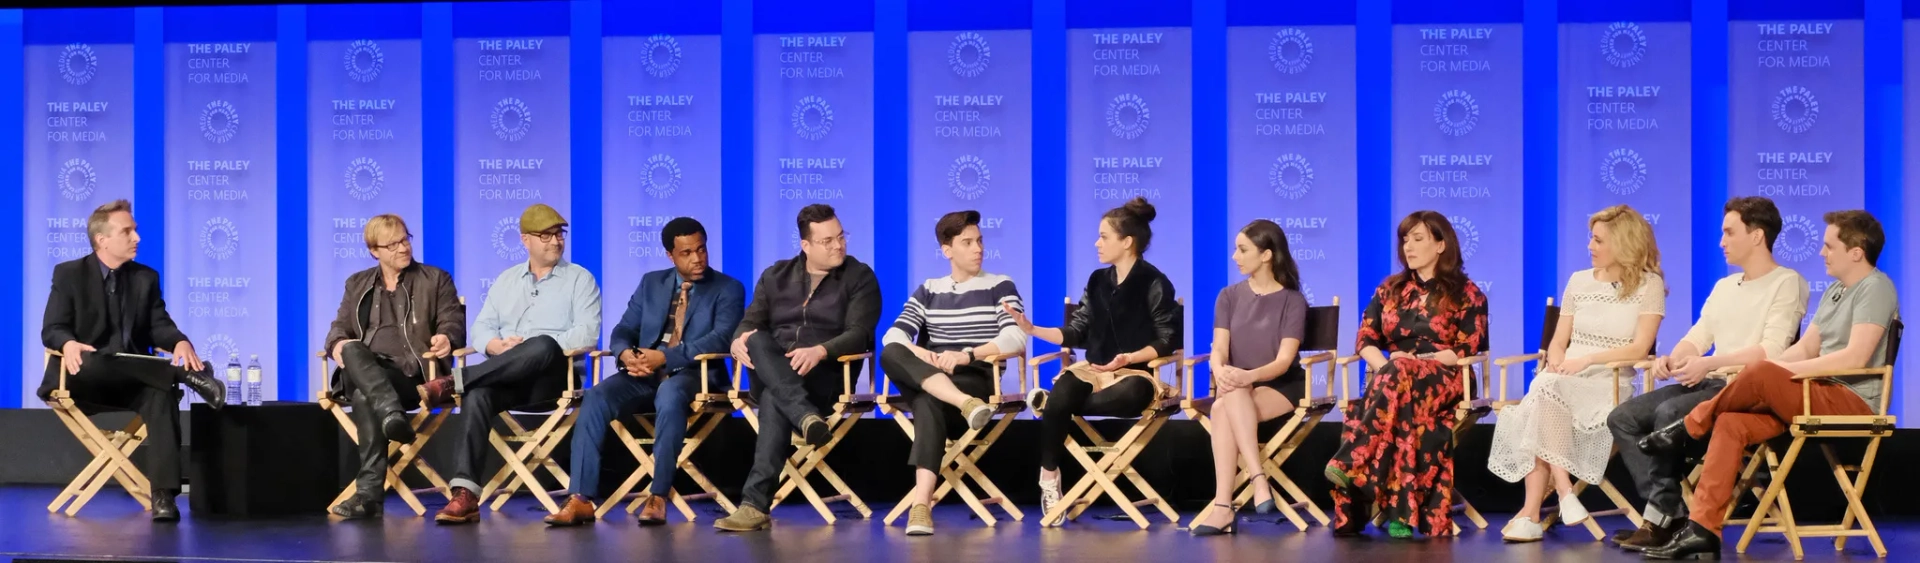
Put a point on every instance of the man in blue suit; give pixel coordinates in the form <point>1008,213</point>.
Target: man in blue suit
<point>675,315</point>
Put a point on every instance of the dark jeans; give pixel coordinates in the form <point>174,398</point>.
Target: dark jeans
<point>1658,479</point>
<point>532,372</point>
<point>365,374</point>
<point>931,417</point>
<point>622,396</point>
<point>148,388</point>
<point>785,399</point>
<point>1128,397</point>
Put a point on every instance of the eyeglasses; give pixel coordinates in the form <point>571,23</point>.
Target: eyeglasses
<point>549,237</point>
<point>830,241</point>
<point>395,245</point>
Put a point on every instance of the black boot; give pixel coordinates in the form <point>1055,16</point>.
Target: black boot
<point>164,509</point>
<point>210,390</point>
<point>1667,440</point>
<point>1693,542</point>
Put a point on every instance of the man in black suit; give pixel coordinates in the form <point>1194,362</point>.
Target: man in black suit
<point>104,304</point>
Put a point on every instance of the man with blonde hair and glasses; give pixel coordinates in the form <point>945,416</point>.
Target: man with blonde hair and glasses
<point>391,315</point>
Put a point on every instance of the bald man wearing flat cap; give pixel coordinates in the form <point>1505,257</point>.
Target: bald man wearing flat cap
<point>534,313</point>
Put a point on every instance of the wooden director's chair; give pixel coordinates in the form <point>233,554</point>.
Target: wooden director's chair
<point>808,460</point>
<point>1777,517</point>
<point>1623,372</point>
<point>963,454</point>
<point>709,408</point>
<point>1318,349</point>
<point>1467,414</point>
<point>425,422</point>
<point>110,451</point>
<point>1116,457</point>
<point>535,446</point>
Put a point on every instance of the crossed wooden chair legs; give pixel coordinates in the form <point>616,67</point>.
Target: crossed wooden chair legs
<point>1277,450</point>
<point>110,459</point>
<point>700,424</point>
<point>960,462</point>
<point>534,452</point>
<point>808,460</point>
<point>425,423</point>
<point>1115,460</point>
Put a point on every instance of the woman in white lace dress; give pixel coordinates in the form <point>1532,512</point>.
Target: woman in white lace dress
<point>1608,314</point>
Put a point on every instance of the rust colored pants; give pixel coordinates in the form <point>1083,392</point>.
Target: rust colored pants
<point>1753,408</point>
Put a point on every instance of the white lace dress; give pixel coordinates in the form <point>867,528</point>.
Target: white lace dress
<point>1563,418</point>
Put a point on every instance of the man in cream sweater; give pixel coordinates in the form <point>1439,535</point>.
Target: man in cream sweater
<point>1751,316</point>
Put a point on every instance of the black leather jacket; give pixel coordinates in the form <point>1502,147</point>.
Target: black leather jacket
<point>1115,318</point>
<point>839,315</point>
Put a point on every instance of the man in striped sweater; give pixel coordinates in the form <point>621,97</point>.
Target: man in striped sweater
<point>933,351</point>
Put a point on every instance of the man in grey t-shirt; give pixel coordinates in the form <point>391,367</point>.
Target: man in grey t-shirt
<point>1848,333</point>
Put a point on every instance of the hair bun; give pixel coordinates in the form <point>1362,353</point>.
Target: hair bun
<point>1140,209</point>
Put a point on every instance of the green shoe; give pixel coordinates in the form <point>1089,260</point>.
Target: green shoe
<point>1399,531</point>
<point>1338,478</point>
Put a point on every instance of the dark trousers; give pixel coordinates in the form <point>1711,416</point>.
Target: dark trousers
<point>1657,478</point>
<point>532,372</point>
<point>622,396</point>
<point>1128,397</point>
<point>366,374</point>
<point>931,417</point>
<point>146,387</point>
<point>785,399</point>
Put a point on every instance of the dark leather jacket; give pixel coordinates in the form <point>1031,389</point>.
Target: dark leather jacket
<point>1115,318</point>
<point>433,308</point>
<point>839,315</point>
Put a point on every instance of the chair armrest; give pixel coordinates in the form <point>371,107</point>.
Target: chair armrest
<point>1063,354</point>
<point>1520,359</point>
<point>1188,364</point>
<point>51,354</point>
<point>1470,360</point>
<point>1320,358</point>
<point>1344,360</point>
<point>1194,360</point>
<point>1179,370</point>
<point>1726,372</point>
<point>602,353</point>
<point>1466,377</point>
<point>1806,386</point>
<point>593,365</point>
<point>846,372</point>
<point>1306,365</point>
<point>1844,373</point>
<point>1629,364</point>
<point>705,387</point>
<point>999,362</point>
<point>459,357</point>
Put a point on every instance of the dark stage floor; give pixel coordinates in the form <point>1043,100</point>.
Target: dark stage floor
<point>113,528</point>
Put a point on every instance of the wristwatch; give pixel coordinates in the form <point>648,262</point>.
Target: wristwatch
<point>970,356</point>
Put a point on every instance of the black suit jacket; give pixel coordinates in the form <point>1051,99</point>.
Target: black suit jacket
<point>77,310</point>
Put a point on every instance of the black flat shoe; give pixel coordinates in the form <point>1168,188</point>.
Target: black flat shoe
<point>1203,530</point>
<point>1665,441</point>
<point>164,510</point>
<point>1693,542</point>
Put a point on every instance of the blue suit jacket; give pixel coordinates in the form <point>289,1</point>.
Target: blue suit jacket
<point>714,306</point>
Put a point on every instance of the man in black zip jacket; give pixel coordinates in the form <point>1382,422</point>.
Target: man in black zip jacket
<point>392,317</point>
<point>806,311</point>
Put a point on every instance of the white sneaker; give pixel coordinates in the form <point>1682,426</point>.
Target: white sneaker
<point>1036,400</point>
<point>1049,495</point>
<point>1571,512</point>
<point>1520,530</point>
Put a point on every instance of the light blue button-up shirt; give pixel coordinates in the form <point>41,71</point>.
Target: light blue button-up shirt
<point>564,305</point>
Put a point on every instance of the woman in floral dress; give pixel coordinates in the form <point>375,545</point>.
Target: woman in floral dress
<point>1397,445</point>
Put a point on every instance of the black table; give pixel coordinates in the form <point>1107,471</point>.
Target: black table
<point>273,459</point>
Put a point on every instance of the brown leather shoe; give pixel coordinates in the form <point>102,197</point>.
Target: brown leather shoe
<point>577,511</point>
<point>439,392</point>
<point>463,509</point>
<point>653,512</point>
<point>1650,536</point>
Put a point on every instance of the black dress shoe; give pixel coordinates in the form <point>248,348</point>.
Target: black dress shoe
<point>1693,542</point>
<point>164,510</point>
<point>210,390</point>
<point>357,508</point>
<point>1666,440</point>
<point>397,428</point>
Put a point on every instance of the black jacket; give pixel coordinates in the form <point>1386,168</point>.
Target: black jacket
<point>433,308</point>
<point>1115,318</point>
<point>840,315</point>
<point>77,310</point>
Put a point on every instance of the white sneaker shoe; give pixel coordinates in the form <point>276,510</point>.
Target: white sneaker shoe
<point>1572,513</point>
<point>1520,530</point>
<point>1036,400</point>
<point>1049,495</point>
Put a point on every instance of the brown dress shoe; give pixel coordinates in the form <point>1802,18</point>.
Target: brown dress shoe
<point>577,511</point>
<point>463,509</point>
<point>653,512</point>
<point>1650,536</point>
<point>439,392</point>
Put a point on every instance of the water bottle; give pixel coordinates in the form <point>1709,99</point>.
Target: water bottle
<point>253,381</point>
<point>233,376</point>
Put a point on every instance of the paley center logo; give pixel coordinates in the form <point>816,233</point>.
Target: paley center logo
<point>1290,51</point>
<point>1291,176</point>
<point>1127,116</point>
<point>364,179</point>
<point>506,240</point>
<point>78,64</point>
<point>1624,44</point>
<point>1799,238</point>
<point>661,55</point>
<point>663,176</point>
<point>510,119</point>
<point>812,118</point>
<point>967,55</point>
<point>219,238</point>
<point>1795,109</point>
<point>1623,172</point>
<point>219,347</point>
<point>968,177</point>
<point>77,179</point>
<point>219,121</point>
<point>1468,234</point>
<point>364,61</point>
<point>1456,113</point>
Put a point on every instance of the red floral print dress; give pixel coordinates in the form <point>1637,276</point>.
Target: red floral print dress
<point>1397,444</point>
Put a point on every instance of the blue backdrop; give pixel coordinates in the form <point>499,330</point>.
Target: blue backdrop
<point>418,109</point>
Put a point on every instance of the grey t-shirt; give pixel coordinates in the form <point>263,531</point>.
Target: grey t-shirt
<point>1871,301</point>
<point>1256,323</point>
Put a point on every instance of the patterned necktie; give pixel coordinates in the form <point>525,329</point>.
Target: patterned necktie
<point>679,315</point>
